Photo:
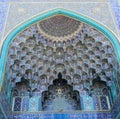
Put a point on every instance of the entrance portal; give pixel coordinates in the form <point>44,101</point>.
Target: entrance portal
<point>60,96</point>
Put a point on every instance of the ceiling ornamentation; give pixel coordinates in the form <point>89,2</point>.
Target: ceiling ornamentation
<point>59,27</point>
<point>80,58</point>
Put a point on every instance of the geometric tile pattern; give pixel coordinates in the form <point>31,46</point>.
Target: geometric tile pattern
<point>25,103</point>
<point>33,104</point>
<point>70,51</point>
<point>22,12</point>
<point>5,105</point>
<point>88,115</point>
<point>3,0</point>
<point>83,66</point>
<point>3,9</point>
<point>116,8</point>
<point>103,102</point>
<point>1,114</point>
<point>75,115</point>
<point>87,102</point>
<point>57,24</point>
<point>54,0</point>
<point>17,105</point>
<point>116,108</point>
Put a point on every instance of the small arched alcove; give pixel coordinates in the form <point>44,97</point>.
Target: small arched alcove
<point>60,96</point>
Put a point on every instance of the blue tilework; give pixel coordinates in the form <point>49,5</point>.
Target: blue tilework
<point>87,102</point>
<point>116,108</point>
<point>1,114</point>
<point>25,104</point>
<point>62,116</point>
<point>87,115</point>
<point>3,9</point>
<point>5,105</point>
<point>3,0</point>
<point>116,8</point>
<point>34,104</point>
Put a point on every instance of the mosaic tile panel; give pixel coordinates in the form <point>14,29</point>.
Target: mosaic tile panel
<point>28,76</point>
<point>116,8</point>
<point>116,108</point>
<point>25,103</point>
<point>5,104</point>
<point>3,10</point>
<point>115,4</point>
<point>88,102</point>
<point>17,106</point>
<point>23,11</point>
<point>104,104</point>
<point>34,104</point>
<point>96,103</point>
<point>1,114</point>
<point>118,117</point>
<point>3,0</point>
<point>83,115</point>
<point>56,1</point>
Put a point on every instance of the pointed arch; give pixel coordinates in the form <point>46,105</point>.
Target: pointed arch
<point>10,37</point>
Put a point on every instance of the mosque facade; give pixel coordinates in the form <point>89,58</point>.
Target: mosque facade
<point>60,59</point>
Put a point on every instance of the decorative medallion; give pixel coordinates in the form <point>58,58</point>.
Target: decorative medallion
<point>59,27</point>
